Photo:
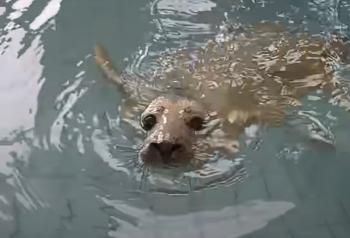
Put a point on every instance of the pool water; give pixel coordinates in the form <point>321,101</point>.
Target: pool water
<point>67,161</point>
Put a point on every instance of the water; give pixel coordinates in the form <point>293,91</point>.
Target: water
<point>62,175</point>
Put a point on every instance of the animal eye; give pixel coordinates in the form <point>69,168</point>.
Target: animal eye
<point>196,123</point>
<point>148,122</point>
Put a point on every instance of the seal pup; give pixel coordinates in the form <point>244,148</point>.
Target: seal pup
<point>208,96</point>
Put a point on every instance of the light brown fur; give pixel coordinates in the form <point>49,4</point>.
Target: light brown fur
<point>230,85</point>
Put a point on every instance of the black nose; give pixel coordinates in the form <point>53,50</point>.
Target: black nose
<point>166,148</point>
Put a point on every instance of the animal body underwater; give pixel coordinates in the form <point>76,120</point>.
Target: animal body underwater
<point>204,99</point>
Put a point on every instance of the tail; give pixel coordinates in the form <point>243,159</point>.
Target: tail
<point>105,64</point>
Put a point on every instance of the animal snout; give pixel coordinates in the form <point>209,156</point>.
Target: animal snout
<point>166,149</point>
<point>164,152</point>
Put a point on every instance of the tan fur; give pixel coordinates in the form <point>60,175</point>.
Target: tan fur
<point>173,116</point>
<point>250,79</point>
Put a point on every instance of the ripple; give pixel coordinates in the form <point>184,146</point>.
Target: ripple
<point>230,221</point>
<point>75,150</point>
<point>191,7</point>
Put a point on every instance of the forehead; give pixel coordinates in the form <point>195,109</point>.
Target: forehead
<point>162,103</point>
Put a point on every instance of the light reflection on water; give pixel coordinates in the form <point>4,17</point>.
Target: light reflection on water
<point>242,219</point>
<point>60,165</point>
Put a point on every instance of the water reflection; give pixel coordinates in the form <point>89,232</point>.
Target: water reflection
<point>173,18</point>
<point>50,10</point>
<point>20,90</point>
<point>22,79</point>
<point>19,87</point>
<point>234,221</point>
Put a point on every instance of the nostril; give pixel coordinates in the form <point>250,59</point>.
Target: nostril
<point>156,146</point>
<point>176,147</point>
<point>166,147</point>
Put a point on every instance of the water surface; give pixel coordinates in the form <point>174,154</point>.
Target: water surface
<point>62,175</point>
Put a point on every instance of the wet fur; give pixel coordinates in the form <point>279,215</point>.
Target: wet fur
<point>233,87</point>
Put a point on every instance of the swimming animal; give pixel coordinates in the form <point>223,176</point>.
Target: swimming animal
<point>205,98</point>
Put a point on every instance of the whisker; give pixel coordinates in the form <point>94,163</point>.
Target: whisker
<point>139,166</point>
<point>145,172</point>
<point>128,153</point>
<point>125,147</point>
<point>130,158</point>
<point>190,186</point>
<point>136,162</point>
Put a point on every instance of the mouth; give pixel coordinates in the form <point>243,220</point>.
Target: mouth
<point>148,155</point>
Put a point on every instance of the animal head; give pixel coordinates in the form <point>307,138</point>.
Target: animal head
<point>171,124</point>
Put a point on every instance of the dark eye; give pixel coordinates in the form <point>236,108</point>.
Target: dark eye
<point>196,123</point>
<point>148,122</point>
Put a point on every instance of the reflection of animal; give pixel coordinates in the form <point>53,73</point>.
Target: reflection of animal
<point>218,90</point>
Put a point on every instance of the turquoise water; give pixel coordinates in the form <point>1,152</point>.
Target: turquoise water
<point>66,160</point>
